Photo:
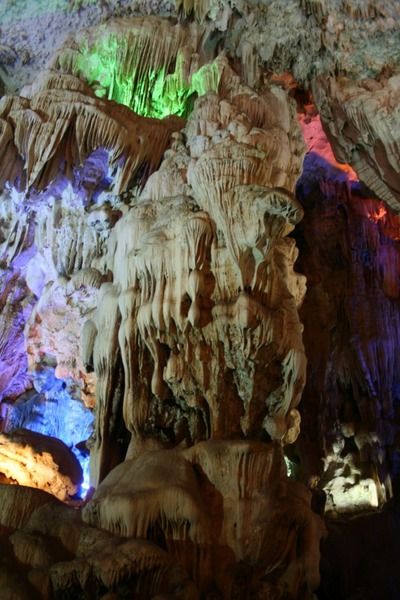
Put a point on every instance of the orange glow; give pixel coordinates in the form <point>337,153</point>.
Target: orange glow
<point>317,142</point>
<point>377,214</point>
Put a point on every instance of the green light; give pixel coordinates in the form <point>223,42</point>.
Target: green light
<point>113,70</point>
<point>291,468</point>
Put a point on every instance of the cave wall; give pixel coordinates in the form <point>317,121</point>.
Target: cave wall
<point>184,259</point>
<point>348,250</point>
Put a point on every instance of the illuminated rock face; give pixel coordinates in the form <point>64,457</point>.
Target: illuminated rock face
<point>203,307</point>
<point>148,286</point>
<point>13,359</point>
<point>55,240</point>
<point>62,123</point>
<point>215,505</point>
<point>38,461</point>
<point>150,64</point>
<point>204,286</point>
<point>346,106</point>
<point>178,301</point>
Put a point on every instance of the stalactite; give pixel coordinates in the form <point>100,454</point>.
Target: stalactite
<point>59,128</point>
<point>362,122</point>
<point>150,263</point>
<point>150,65</point>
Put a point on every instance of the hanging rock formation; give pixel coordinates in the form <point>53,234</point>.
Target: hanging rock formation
<point>203,305</point>
<point>63,123</point>
<point>362,120</point>
<point>174,279</point>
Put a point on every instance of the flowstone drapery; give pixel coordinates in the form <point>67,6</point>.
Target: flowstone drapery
<point>204,297</point>
<point>154,311</point>
<point>170,307</point>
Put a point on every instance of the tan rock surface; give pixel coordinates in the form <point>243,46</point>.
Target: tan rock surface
<point>160,259</point>
<point>35,460</point>
<point>215,505</point>
<point>223,284</point>
<point>65,119</point>
<point>53,553</point>
<point>362,119</point>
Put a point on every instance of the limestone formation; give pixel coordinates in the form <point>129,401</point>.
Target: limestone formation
<point>19,502</point>
<point>52,553</point>
<point>63,123</point>
<point>197,232</point>
<point>215,505</point>
<point>362,120</point>
<point>188,277</point>
<point>148,64</point>
<point>349,249</point>
<point>34,460</point>
<point>16,305</point>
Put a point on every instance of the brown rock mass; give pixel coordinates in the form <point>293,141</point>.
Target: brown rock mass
<point>199,299</point>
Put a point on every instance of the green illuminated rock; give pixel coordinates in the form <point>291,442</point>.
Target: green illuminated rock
<point>154,70</point>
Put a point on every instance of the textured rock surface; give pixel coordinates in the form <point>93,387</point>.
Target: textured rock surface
<point>63,123</point>
<point>32,32</point>
<point>53,554</point>
<point>304,37</point>
<point>148,275</point>
<point>199,307</point>
<point>214,505</point>
<point>362,119</point>
<point>349,253</point>
<point>35,460</point>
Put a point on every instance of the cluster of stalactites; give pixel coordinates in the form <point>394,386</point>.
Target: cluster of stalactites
<point>62,123</point>
<point>206,307</point>
<point>362,121</point>
<point>151,65</point>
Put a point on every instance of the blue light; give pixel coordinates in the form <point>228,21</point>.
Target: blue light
<point>84,460</point>
<point>52,410</point>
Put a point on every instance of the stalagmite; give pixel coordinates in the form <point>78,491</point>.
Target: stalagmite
<point>199,301</point>
<point>204,503</point>
<point>219,279</point>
